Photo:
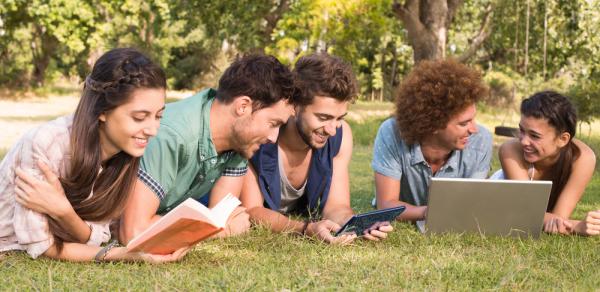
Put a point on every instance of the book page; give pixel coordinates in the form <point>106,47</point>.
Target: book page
<point>221,212</point>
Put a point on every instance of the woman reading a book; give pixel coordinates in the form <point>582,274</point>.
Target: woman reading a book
<point>547,150</point>
<point>63,182</point>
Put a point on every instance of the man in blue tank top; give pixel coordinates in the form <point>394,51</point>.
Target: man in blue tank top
<point>306,171</point>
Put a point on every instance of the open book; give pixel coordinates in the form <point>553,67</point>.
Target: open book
<point>186,225</point>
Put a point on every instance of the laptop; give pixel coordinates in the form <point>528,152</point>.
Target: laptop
<point>490,207</point>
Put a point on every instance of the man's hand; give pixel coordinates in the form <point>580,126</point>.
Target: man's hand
<point>322,230</point>
<point>378,231</point>
<point>590,225</point>
<point>238,223</point>
<point>46,197</point>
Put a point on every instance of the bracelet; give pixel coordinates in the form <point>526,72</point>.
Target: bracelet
<point>104,251</point>
<point>305,226</point>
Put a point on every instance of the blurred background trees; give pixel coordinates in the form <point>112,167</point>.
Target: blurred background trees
<point>521,46</point>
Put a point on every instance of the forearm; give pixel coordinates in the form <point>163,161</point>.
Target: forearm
<point>77,252</point>
<point>131,227</point>
<point>338,214</point>
<point>72,223</point>
<point>275,220</point>
<point>412,212</point>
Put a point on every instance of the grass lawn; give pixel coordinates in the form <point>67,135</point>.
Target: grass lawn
<point>261,260</point>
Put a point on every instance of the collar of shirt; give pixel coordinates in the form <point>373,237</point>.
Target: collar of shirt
<point>416,157</point>
<point>206,147</point>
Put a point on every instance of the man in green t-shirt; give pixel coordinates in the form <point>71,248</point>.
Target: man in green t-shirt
<point>205,140</point>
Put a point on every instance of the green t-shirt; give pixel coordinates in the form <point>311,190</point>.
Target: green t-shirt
<point>181,161</point>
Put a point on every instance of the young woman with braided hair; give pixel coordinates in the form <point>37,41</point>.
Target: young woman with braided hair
<point>63,182</point>
<point>546,149</point>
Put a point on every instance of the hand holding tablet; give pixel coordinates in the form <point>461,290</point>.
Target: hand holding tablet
<point>358,224</point>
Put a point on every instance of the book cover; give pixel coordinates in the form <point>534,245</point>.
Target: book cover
<point>189,223</point>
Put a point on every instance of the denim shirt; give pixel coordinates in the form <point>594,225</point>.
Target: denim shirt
<point>393,158</point>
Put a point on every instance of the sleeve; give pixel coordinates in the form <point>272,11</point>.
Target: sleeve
<point>31,228</point>
<point>160,162</point>
<point>236,166</point>
<point>386,151</point>
<point>484,157</point>
<point>100,233</point>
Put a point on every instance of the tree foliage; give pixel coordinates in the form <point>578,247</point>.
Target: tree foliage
<point>556,46</point>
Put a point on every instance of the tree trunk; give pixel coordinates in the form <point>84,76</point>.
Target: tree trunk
<point>484,32</point>
<point>427,22</point>
<point>42,53</point>
<point>526,63</point>
<point>271,20</point>
<point>545,37</point>
<point>517,12</point>
<point>394,66</point>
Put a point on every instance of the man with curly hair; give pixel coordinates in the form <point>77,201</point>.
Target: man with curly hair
<point>433,134</point>
<point>306,171</point>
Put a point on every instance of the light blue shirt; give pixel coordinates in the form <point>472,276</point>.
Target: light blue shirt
<point>393,158</point>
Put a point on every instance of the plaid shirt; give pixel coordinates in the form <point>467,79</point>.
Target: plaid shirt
<point>22,228</point>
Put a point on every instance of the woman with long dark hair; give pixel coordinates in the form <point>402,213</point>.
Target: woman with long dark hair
<point>547,150</point>
<point>63,182</point>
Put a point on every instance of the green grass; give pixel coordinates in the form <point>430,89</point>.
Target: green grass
<point>407,260</point>
<point>364,131</point>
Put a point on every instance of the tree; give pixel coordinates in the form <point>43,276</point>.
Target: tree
<point>247,25</point>
<point>427,23</point>
<point>58,32</point>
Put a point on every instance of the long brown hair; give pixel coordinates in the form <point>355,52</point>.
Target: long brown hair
<point>562,116</point>
<point>115,76</point>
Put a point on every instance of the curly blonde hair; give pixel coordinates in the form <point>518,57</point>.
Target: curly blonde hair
<point>432,93</point>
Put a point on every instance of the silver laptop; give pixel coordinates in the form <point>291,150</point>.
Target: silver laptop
<point>490,207</point>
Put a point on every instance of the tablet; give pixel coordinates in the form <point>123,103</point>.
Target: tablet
<point>361,222</point>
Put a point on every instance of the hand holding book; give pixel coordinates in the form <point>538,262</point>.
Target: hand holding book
<point>186,225</point>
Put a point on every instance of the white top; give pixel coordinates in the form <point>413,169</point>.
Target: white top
<point>22,228</point>
<point>290,196</point>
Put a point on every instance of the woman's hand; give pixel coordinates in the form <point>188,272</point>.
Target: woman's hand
<point>557,224</point>
<point>121,254</point>
<point>46,197</point>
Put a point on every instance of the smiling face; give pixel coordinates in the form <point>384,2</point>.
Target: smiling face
<point>456,134</point>
<point>259,127</point>
<point>319,120</point>
<point>128,126</point>
<point>539,140</point>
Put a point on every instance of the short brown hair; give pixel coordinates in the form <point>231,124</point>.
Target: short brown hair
<point>432,93</point>
<point>325,75</point>
<point>261,77</point>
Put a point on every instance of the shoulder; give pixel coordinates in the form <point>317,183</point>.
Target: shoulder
<point>389,134</point>
<point>388,131</point>
<point>343,143</point>
<point>510,148</point>
<point>389,126</point>
<point>343,134</point>
<point>482,140</point>
<point>187,115</point>
<point>586,154</point>
<point>53,134</point>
